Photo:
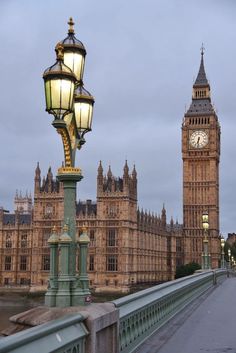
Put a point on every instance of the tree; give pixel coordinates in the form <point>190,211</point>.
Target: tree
<point>187,270</point>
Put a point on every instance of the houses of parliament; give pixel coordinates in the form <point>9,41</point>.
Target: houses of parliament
<point>128,246</point>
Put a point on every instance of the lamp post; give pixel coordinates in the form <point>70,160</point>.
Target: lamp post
<point>72,107</point>
<point>205,256</point>
<point>232,262</point>
<point>229,258</point>
<point>222,243</point>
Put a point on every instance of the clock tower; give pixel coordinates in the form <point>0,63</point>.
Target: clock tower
<point>201,156</point>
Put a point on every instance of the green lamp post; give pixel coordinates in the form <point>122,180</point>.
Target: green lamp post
<point>82,294</point>
<point>50,297</point>
<point>206,258</point>
<point>229,258</point>
<point>222,243</point>
<point>72,107</point>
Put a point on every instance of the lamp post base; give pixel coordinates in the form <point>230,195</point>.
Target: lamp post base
<point>63,297</point>
<point>81,298</point>
<point>81,294</point>
<point>50,297</point>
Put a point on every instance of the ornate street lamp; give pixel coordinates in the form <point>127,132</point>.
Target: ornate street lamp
<point>72,107</point>
<point>229,258</point>
<point>205,256</point>
<point>222,243</point>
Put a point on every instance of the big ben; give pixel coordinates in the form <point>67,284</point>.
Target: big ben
<point>201,156</point>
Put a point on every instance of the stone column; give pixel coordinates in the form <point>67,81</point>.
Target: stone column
<point>81,294</point>
<point>50,296</point>
<point>63,298</point>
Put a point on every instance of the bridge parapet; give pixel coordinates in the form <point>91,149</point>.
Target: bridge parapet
<point>144,312</point>
<point>96,328</point>
<point>67,334</point>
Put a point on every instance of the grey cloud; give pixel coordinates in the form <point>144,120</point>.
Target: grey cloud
<point>142,57</point>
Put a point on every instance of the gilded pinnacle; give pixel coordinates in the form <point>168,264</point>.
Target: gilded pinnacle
<point>202,50</point>
<point>65,228</point>
<point>60,51</point>
<point>71,26</point>
<point>84,229</point>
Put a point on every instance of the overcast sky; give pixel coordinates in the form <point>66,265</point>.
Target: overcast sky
<point>142,57</point>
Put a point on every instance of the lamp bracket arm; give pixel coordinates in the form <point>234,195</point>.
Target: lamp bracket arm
<point>67,146</point>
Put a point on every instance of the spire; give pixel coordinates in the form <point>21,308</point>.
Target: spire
<point>201,97</point>
<point>109,173</point>
<point>201,79</point>
<point>50,176</point>
<point>100,169</point>
<point>163,217</point>
<point>126,169</point>
<point>37,171</point>
<point>171,223</point>
<point>134,173</point>
<point>100,179</point>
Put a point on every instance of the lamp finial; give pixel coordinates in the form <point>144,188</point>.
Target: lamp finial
<point>65,228</point>
<point>71,26</point>
<point>60,51</point>
<point>202,50</point>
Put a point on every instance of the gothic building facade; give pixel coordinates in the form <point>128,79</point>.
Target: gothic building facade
<point>128,246</point>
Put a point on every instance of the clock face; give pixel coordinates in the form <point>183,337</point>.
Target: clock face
<point>199,139</point>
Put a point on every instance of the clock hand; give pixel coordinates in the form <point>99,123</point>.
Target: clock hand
<point>198,140</point>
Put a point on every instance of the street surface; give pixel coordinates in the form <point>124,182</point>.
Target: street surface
<point>210,328</point>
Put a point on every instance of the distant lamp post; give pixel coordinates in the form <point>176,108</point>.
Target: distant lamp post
<point>72,107</point>
<point>205,255</point>
<point>222,243</point>
<point>229,258</point>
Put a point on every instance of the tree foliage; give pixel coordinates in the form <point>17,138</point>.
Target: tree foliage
<point>232,248</point>
<point>186,270</point>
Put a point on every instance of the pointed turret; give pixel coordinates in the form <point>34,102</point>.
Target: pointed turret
<point>50,176</point>
<point>171,223</point>
<point>100,178</point>
<point>37,171</point>
<point>163,217</point>
<point>50,180</point>
<point>100,169</point>
<point>37,179</point>
<point>109,173</point>
<point>126,170</point>
<point>134,173</point>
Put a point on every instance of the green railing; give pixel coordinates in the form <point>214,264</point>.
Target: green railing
<point>144,312</point>
<point>65,335</point>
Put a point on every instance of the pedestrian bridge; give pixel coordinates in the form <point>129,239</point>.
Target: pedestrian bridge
<point>192,314</point>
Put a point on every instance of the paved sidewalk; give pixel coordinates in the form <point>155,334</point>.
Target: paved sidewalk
<point>210,328</point>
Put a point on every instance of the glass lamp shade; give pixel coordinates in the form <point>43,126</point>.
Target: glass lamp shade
<point>222,241</point>
<point>205,225</point>
<point>83,109</point>
<point>229,252</point>
<point>59,83</point>
<point>74,52</point>
<point>205,217</point>
<point>75,61</point>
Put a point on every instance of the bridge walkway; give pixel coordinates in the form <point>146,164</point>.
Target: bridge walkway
<point>210,328</point>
